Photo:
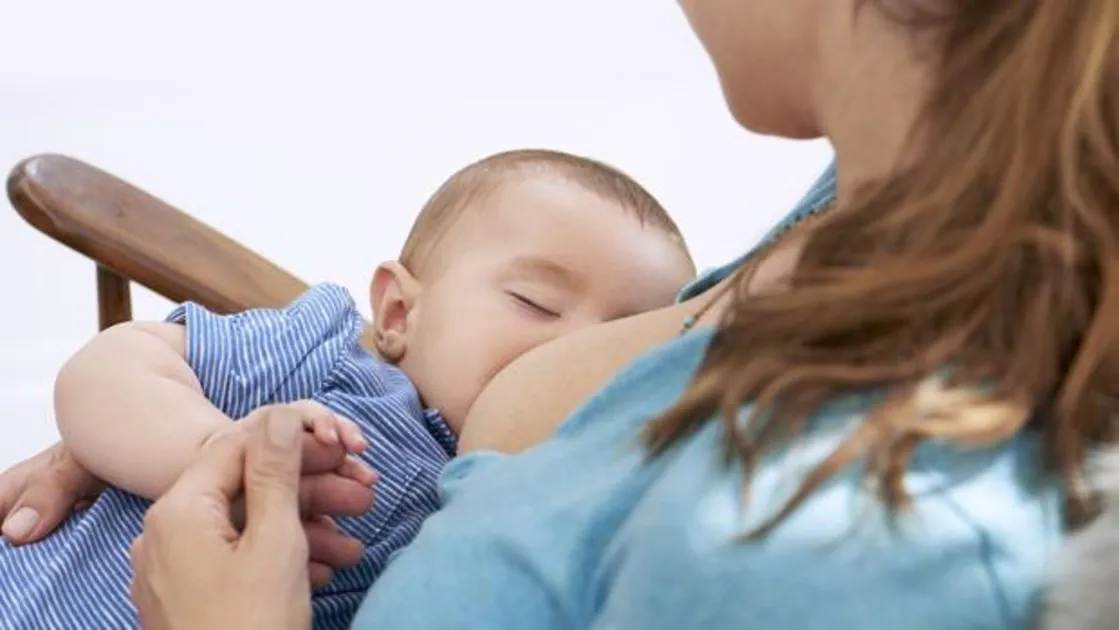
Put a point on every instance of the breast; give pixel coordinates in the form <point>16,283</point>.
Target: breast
<point>527,400</point>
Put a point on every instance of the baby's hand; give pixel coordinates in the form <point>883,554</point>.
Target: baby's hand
<point>326,432</point>
<point>327,427</point>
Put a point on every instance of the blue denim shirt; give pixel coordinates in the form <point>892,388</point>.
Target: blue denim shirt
<point>584,531</point>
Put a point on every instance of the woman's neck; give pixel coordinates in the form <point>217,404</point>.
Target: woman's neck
<point>869,93</point>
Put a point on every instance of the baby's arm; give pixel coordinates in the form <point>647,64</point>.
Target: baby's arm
<point>132,410</point>
<point>138,401</point>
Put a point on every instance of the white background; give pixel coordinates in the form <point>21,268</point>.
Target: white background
<point>314,135</point>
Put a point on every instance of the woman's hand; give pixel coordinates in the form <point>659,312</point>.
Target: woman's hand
<point>37,494</point>
<point>195,571</point>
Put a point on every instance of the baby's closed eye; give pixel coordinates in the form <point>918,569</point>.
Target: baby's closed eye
<point>536,304</point>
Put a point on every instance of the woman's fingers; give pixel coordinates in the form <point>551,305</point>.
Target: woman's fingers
<point>320,574</point>
<point>46,490</point>
<point>333,495</point>
<point>354,469</point>
<point>329,546</point>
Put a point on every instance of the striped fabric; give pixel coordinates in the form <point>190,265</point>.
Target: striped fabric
<point>79,577</point>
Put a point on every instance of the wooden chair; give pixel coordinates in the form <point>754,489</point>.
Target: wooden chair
<point>132,236</point>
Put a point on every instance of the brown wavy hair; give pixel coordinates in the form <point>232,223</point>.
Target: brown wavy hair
<point>977,287</point>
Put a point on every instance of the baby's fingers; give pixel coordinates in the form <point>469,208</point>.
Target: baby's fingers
<point>331,429</point>
<point>351,436</point>
<point>325,428</point>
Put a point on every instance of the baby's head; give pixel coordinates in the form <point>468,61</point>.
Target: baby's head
<point>511,252</point>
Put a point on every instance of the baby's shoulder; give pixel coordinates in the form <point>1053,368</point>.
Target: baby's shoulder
<point>323,310</point>
<point>270,355</point>
<point>361,376</point>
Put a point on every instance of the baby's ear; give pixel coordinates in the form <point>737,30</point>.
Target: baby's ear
<point>393,293</point>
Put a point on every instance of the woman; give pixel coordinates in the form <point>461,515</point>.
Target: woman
<point>879,419</point>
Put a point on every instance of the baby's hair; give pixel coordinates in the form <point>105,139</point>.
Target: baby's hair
<point>481,177</point>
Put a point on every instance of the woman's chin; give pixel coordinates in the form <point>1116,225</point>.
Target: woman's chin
<point>777,124</point>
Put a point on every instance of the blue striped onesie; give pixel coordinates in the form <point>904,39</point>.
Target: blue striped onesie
<point>78,578</point>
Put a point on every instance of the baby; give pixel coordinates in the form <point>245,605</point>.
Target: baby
<point>511,252</point>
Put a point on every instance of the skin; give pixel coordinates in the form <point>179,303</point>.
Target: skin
<point>796,68</point>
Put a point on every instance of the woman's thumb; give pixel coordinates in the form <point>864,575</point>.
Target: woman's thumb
<point>272,466</point>
<point>44,500</point>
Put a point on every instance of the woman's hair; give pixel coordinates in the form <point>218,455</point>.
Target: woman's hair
<point>975,290</point>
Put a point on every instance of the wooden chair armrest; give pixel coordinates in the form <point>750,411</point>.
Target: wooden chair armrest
<point>131,234</point>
